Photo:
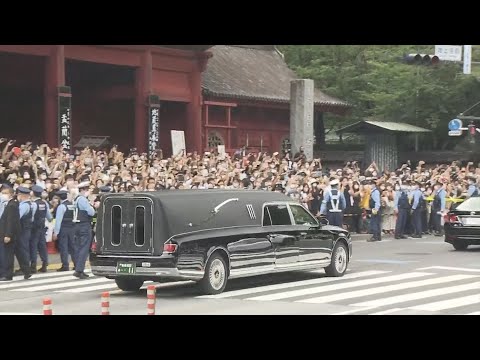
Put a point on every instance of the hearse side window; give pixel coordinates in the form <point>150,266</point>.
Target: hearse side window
<point>116,224</point>
<point>139,226</point>
<point>266,217</point>
<point>301,216</point>
<point>279,214</point>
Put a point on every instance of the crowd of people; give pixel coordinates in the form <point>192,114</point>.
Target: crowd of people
<point>407,201</point>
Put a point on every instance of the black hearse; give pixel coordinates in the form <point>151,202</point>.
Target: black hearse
<point>210,236</point>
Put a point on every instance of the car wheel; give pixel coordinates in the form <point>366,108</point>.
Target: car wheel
<point>339,263</point>
<point>215,278</point>
<point>128,284</point>
<point>460,246</point>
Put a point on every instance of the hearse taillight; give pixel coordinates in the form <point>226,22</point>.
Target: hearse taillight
<point>170,248</point>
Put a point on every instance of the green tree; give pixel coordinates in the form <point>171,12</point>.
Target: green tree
<point>379,85</point>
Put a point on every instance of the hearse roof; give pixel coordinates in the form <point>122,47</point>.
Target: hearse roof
<point>187,211</point>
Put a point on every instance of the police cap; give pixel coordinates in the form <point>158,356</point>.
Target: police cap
<point>37,189</point>
<point>23,190</point>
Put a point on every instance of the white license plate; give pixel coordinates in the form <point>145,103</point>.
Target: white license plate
<point>471,221</point>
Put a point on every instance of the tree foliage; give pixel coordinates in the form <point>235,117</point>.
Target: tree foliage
<point>379,85</point>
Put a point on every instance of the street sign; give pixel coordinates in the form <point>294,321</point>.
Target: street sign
<point>449,52</point>
<point>455,133</point>
<point>455,124</point>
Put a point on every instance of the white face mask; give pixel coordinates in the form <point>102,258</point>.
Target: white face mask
<point>4,198</point>
<point>26,176</point>
<point>43,177</point>
<point>87,194</point>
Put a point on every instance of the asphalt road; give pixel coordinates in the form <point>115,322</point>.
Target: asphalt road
<point>412,276</point>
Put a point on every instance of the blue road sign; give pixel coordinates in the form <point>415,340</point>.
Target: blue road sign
<point>455,124</point>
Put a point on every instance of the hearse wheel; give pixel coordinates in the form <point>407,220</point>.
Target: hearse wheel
<point>129,284</point>
<point>338,265</point>
<point>215,278</point>
<point>459,246</point>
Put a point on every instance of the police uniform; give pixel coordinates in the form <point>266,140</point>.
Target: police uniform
<point>438,205</point>
<point>333,205</point>
<point>402,206</point>
<point>472,188</point>
<point>376,218</point>
<point>64,230</point>
<point>103,190</point>
<point>417,200</point>
<point>9,227</point>
<point>83,232</point>
<point>22,246</point>
<point>38,240</point>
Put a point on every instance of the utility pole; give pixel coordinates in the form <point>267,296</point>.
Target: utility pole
<point>467,59</point>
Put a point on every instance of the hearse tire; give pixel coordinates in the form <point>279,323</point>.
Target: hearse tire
<point>128,284</point>
<point>215,279</point>
<point>459,246</point>
<point>339,264</point>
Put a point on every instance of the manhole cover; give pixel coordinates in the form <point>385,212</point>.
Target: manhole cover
<point>414,253</point>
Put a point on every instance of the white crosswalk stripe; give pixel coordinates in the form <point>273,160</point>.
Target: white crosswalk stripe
<point>449,304</point>
<point>336,287</point>
<point>65,282</point>
<point>259,289</point>
<point>420,295</point>
<point>371,292</point>
<point>382,293</point>
<point>384,289</point>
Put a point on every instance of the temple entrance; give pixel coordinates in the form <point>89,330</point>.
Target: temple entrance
<point>103,101</point>
<point>22,84</point>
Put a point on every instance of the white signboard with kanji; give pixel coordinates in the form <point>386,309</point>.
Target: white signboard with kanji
<point>178,142</point>
<point>153,133</point>
<point>449,52</point>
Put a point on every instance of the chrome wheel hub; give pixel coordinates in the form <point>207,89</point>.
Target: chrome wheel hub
<point>340,259</point>
<point>216,275</point>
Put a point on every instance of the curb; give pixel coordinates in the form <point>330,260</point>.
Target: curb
<point>365,237</point>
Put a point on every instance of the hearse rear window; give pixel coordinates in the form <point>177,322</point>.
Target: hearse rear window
<point>116,224</point>
<point>279,215</point>
<point>139,226</point>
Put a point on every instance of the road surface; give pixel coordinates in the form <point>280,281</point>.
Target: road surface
<point>411,276</point>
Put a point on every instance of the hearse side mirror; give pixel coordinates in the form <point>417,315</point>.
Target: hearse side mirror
<point>323,221</point>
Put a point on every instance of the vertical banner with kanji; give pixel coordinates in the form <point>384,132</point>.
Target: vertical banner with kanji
<point>153,124</point>
<point>65,118</point>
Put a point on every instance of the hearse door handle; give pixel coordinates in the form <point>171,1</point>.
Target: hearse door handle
<point>124,227</point>
<point>303,234</point>
<point>130,228</point>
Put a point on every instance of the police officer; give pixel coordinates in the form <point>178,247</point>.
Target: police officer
<point>9,231</point>
<point>333,204</point>
<point>417,200</point>
<point>96,204</point>
<point>6,193</point>
<point>22,246</point>
<point>472,187</point>
<point>63,231</point>
<point>402,208</point>
<point>409,228</point>
<point>38,240</point>
<point>82,227</point>
<point>438,207</point>
<point>376,218</point>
